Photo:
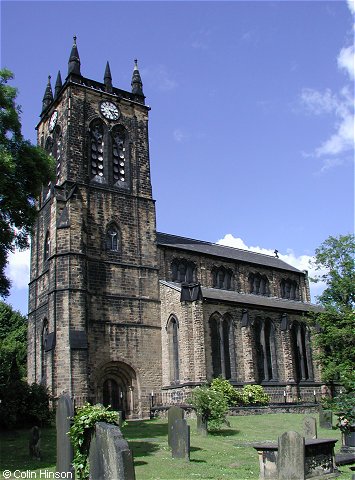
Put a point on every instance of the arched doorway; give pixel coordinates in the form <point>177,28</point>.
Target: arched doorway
<point>117,387</point>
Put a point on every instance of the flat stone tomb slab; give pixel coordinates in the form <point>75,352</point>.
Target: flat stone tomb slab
<point>319,459</point>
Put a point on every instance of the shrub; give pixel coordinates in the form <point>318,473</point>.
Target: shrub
<point>211,405</point>
<point>24,405</point>
<point>224,388</point>
<point>81,432</point>
<point>254,395</point>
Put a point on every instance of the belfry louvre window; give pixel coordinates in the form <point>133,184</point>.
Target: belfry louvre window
<point>183,271</point>
<point>97,150</point>
<point>258,284</point>
<point>118,154</point>
<point>54,148</point>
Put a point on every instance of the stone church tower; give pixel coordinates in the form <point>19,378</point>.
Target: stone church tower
<point>94,312</point>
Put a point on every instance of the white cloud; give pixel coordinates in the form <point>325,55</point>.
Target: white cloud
<point>340,105</point>
<point>351,5</point>
<point>179,135</point>
<point>159,78</point>
<point>346,60</point>
<point>18,269</point>
<point>302,262</point>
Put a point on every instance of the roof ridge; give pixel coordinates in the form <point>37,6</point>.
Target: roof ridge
<point>224,246</point>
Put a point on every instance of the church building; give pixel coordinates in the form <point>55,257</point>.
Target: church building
<point>127,316</point>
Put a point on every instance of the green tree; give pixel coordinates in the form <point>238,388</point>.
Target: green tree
<point>24,169</point>
<point>334,260</point>
<point>13,346</point>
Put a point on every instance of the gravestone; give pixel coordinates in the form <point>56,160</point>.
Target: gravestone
<point>174,413</point>
<point>202,425</point>
<point>180,440</point>
<point>291,457</point>
<point>310,427</point>
<point>64,414</point>
<point>109,456</point>
<point>325,418</point>
<point>34,443</point>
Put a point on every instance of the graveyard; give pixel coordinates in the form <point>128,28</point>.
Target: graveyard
<point>225,454</point>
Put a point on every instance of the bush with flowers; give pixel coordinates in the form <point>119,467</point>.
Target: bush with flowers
<point>211,405</point>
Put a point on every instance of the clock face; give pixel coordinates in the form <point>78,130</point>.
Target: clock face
<point>53,121</point>
<point>109,110</point>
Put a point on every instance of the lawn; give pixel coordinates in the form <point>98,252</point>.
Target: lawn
<point>227,454</point>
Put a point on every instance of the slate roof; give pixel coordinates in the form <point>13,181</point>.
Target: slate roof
<point>218,295</point>
<point>230,253</point>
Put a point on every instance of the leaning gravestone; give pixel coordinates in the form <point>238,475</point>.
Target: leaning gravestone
<point>180,440</point>
<point>202,425</point>
<point>291,457</point>
<point>310,427</point>
<point>64,414</point>
<point>325,418</point>
<point>109,456</point>
<point>174,413</point>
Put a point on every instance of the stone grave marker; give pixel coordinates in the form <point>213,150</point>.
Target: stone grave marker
<point>34,443</point>
<point>109,456</point>
<point>291,457</point>
<point>309,427</point>
<point>174,413</point>
<point>202,425</point>
<point>180,440</point>
<point>64,414</point>
<point>325,418</point>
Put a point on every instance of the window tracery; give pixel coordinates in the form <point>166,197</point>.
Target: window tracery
<point>183,271</point>
<point>222,346</point>
<point>265,347</point>
<point>289,289</point>
<point>258,284</point>
<point>222,278</point>
<point>113,238</point>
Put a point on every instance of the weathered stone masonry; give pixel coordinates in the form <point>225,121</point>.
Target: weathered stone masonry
<point>118,311</point>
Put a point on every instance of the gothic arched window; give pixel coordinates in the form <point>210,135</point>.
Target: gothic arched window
<point>57,150</point>
<point>265,348</point>
<point>289,289</point>
<point>258,284</point>
<point>47,246</point>
<point>222,346</point>
<point>173,349</point>
<point>301,352</point>
<point>183,271</point>
<point>222,278</point>
<point>44,337</point>
<point>97,151</point>
<point>113,240</point>
<point>53,147</point>
<point>119,154</point>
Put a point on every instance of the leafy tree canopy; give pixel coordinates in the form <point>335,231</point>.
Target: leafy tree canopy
<point>334,260</point>
<point>24,169</point>
<point>13,344</point>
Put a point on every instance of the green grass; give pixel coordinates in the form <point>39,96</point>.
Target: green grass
<point>227,454</point>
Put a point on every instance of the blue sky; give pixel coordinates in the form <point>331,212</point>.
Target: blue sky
<point>251,127</point>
